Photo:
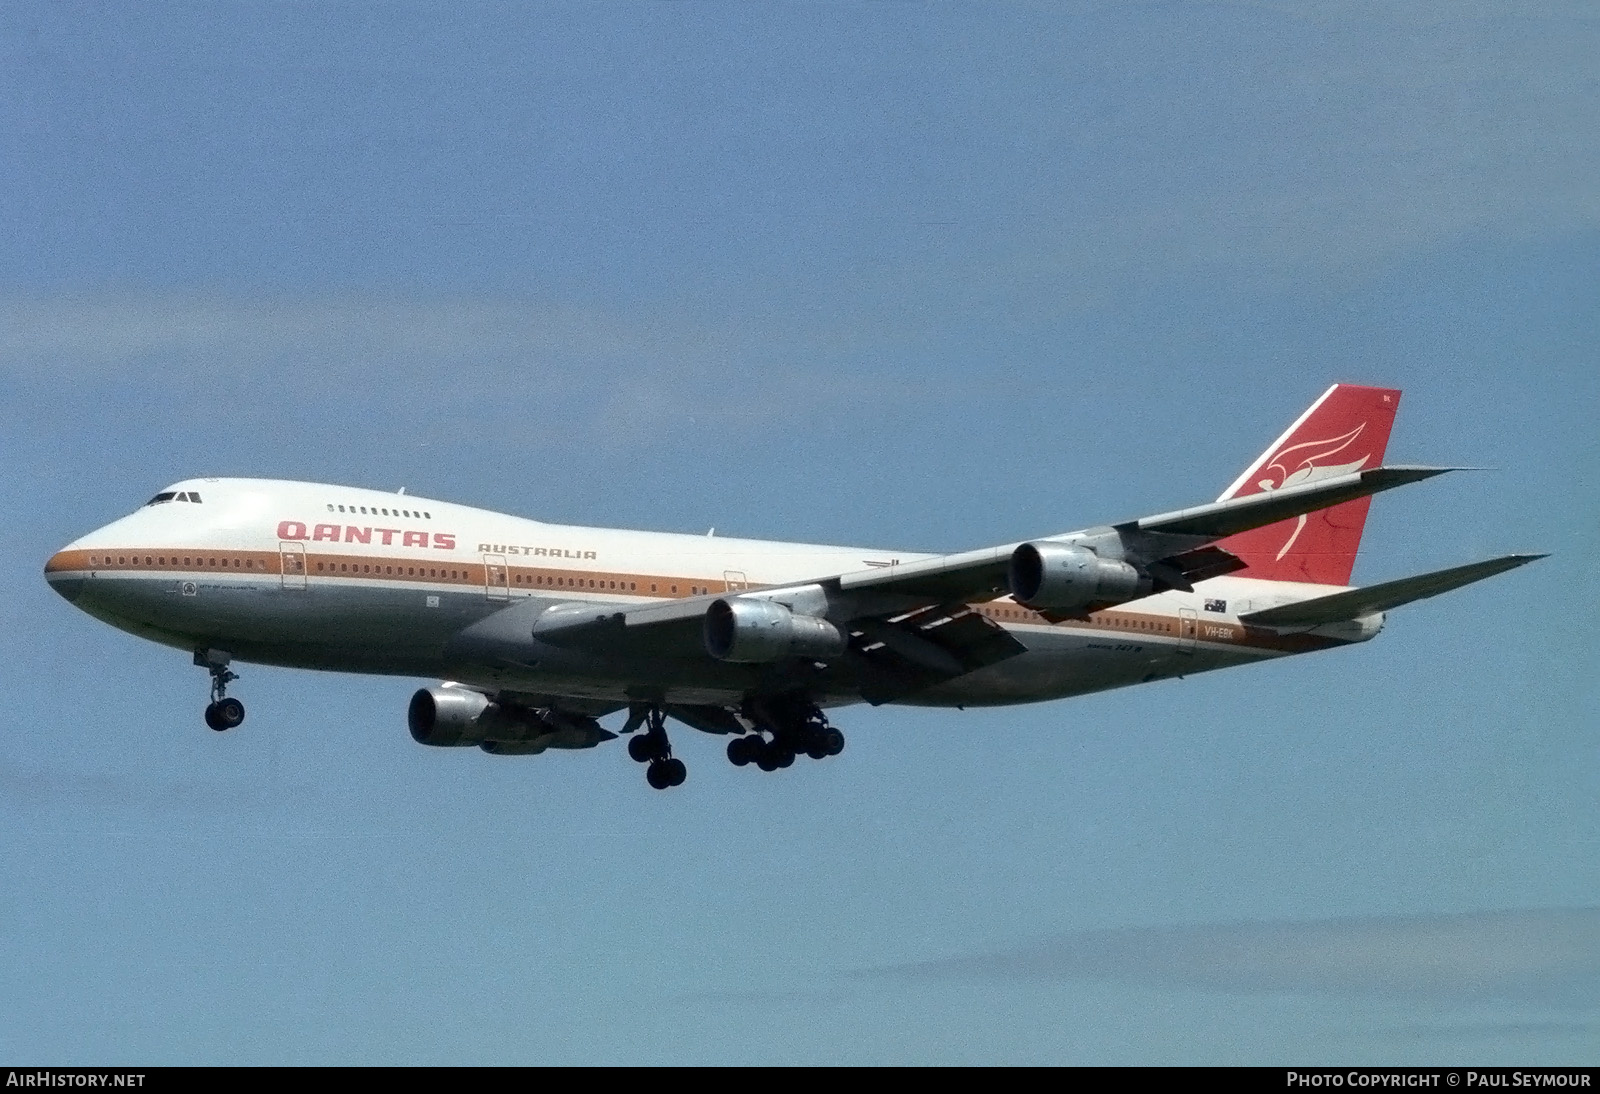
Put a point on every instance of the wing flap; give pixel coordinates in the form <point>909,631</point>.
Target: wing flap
<point>1354,603</point>
<point>908,653</point>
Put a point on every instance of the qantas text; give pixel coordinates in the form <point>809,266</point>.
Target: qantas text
<point>349,533</point>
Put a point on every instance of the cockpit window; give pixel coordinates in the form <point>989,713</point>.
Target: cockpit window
<point>193,496</point>
<point>170,495</point>
<point>165,495</point>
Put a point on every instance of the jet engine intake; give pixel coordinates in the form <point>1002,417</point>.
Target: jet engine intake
<point>749,631</point>
<point>455,716</point>
<point>1065,577</point>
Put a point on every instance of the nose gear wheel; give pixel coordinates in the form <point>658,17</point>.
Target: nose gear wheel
<point>222,713</point>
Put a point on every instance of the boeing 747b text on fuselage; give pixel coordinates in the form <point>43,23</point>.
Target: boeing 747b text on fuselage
<point>542,629</point>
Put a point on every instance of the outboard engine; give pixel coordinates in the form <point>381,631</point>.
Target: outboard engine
<point>751,631</point>
<point>1065,577</point>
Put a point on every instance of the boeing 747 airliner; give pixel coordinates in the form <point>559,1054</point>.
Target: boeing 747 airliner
<point>543,629</point>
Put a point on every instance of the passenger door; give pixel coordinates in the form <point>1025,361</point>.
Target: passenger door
<point>496,579</point>
<point>292,565</point>
<point>1188,629</point>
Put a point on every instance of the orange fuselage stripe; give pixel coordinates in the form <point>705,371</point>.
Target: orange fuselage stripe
<point>531,579</point>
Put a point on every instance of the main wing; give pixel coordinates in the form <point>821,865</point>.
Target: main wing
<point>911,626</point>
<point>1174,538</point>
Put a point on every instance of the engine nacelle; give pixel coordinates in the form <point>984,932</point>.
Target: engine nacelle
<point>1065,577</point>
<point>446,716</point>
<point>752,632</point>
<point>455,716</point>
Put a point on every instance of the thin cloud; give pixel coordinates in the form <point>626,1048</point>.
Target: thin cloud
<point>613,377</point>
<point>1548,956</point>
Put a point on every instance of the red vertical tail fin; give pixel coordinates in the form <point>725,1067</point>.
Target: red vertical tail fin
<point>1346,430</point>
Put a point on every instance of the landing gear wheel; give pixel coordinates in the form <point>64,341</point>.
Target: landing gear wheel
<point>782,756</point>
<point>833,741</point>
<point>765,757</point>
<point>653,748</point>
<point>222,713</point>
<point>740,752</point>
<point>662,774</point>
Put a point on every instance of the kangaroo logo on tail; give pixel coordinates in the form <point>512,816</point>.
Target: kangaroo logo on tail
<point>1297,464</point>
<point>1344,431</point>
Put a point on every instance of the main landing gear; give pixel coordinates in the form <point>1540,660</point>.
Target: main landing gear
<point>652,747</point>
<point>222,713</point>
<point>785,730</point>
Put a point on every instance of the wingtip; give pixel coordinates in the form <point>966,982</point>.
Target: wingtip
<point>1511,562</point>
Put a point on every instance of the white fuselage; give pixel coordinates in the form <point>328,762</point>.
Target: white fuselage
<point>338,578</point>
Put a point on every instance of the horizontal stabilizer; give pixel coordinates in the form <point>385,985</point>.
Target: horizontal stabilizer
<point>1380,598</point>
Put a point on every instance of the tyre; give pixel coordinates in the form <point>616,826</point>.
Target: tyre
<point>211,718</point>
<point>656,775</point>
<point>230,713</point>
<point>639,749</point>
<point>676,772</point>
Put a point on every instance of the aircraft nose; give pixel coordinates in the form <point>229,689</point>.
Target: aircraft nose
<point>66,574</point>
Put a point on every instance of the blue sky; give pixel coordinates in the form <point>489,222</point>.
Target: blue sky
<point>918,276</point>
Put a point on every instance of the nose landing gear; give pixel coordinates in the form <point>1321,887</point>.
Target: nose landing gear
<point>222,713</point>
<point>652,747</point>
